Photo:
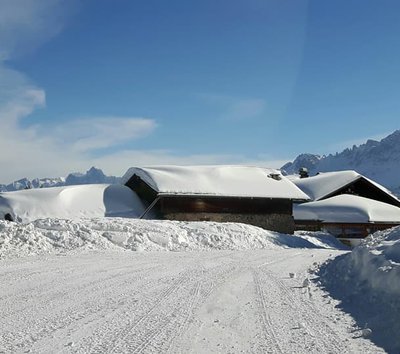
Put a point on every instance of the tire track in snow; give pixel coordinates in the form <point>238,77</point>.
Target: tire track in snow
<point>114,338</point>
<point>62,313</point>
<point>158,331</point>
<point>268,326</point>
<point>317,334</point>
<point>269,333</point>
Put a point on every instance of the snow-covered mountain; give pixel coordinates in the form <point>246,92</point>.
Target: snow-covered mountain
<point>92,176</point>
<point>378,160</point>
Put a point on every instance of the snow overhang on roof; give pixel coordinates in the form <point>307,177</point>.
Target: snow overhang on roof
<point>228,181</point>
<point>324,184</point>
<point>347,208</point>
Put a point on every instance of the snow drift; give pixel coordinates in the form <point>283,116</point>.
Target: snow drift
<point>367,281</point>
<point>57,236</point>
<point>71,202</point>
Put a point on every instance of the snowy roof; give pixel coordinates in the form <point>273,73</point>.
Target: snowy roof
<point>233,181</point>
<point>347,208</point>
<point>324,184</point>
<point>70,202</point>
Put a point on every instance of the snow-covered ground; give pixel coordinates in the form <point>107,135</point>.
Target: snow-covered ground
<point>367,283</point>
<point>177,302</point>
<point>83,287</point>
<point>77,279</point>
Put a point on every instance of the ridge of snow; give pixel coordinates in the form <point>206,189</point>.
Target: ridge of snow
<point>60,235</point>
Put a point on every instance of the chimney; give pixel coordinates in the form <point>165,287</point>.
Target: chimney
<point>303,172</point>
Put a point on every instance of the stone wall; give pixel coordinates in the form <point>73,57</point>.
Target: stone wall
<point>275,222</point>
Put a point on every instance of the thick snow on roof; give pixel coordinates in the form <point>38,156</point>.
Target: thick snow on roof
<point>323,184</point>
<point>72,202</point>
<point>237,181</point>
<point>347,208</point>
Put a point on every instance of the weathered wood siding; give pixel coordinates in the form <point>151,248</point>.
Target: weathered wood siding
<point>210,204</point>
<point>275,222</point>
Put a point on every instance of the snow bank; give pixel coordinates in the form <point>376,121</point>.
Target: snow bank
<point>235,181</point>
<point>367,280</point>
<point>347,208</point>
<point>58,235</point>
<point>71,202</point>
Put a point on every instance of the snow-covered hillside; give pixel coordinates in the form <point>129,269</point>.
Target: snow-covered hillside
<point>378,160</point>
<point>92,176</point>
<point>367,282</point>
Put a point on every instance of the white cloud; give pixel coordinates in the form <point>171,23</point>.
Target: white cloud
<point>86,134</point>
<point>26,24</point>
<point>59,148</point>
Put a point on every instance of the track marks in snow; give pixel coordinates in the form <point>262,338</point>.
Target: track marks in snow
<point>272,341</point>
<point>116,302</point>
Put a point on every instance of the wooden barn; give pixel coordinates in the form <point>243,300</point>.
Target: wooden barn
<point>330,184</point>
<point>348,217</point>
<point>346,204</point>
<point>251,195</point>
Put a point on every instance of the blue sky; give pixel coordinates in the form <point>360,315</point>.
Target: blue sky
<point>122,83</point>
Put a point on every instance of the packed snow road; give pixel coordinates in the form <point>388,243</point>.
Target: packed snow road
<point>176,302</point>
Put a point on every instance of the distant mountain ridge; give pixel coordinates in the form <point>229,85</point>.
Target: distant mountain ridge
<point>378,160</point>
<point>92,176</point>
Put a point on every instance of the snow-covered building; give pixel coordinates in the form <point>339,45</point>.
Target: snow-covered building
<point>252,195</point>
<point>345,203</point>
<point>346,216</point>
<point>329,184</point>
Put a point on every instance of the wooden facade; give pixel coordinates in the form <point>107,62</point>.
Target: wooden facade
<point>364,188</point>
<point>216,204</point>
<point>343,230</point>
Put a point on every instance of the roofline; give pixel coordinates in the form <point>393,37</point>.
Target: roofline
<point>341,187</point>
<point>366,179</point>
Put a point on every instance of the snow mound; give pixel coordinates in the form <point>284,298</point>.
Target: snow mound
<point>367,280</point>
<point>59,235</point>
<point>71,202</point>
